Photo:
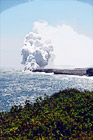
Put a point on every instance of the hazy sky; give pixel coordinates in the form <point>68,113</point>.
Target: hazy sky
<point>17,21</point>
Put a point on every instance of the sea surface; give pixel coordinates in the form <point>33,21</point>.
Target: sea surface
<point>16,87</point>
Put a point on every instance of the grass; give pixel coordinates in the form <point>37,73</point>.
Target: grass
<point>66,115</point>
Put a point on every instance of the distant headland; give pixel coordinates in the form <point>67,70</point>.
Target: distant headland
<point>76,71</point>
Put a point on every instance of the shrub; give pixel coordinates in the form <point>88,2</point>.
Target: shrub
<point>66,115</point>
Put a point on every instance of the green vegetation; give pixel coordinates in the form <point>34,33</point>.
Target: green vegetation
<point>66,115</point>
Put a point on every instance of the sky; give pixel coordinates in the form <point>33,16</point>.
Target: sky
<point>18,20</point>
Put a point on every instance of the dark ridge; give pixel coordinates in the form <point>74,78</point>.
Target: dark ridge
<point>89,72</point>
<point>78,71</point>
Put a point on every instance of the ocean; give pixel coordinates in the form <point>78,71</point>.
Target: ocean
<point>16,87</point>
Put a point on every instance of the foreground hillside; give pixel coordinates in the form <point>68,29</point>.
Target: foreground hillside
<point>66,115</point>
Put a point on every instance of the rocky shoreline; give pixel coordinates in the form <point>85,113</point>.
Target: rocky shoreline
<point>80,71</point>
<point>77,71</point>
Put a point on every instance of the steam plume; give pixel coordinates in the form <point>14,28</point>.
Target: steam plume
<point>68,47</point>
<point>36,51</point>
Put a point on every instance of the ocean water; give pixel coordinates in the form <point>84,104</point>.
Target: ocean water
<point>17,87</point>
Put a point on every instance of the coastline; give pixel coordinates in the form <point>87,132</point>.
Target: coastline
<point>77,71</point>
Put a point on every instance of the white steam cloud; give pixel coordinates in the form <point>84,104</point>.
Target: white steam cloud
<point>36,52</point>
<point>67,47</point>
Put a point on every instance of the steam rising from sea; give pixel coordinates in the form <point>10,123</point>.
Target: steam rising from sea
<point>53,46</point>
<point>36,52</point>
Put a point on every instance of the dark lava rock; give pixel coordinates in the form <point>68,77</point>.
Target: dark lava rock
<point>78,71</point>
<point>89,72</point>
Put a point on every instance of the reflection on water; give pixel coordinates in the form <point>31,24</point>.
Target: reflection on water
<point>16,87</point>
